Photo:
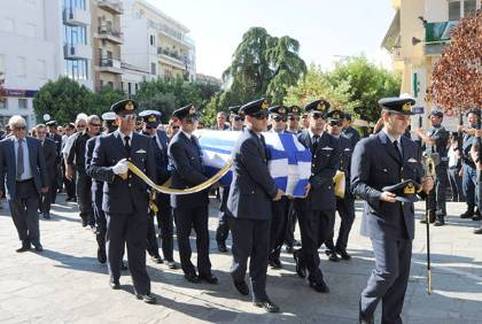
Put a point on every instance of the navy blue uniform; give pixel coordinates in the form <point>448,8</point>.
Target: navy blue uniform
<point>390,226</point>
<point>469,177</point>
<point>249,204</point>
<point>125,203</point>
<point>190,211</point>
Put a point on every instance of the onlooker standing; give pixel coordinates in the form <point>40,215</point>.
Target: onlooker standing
<point>454,167</point>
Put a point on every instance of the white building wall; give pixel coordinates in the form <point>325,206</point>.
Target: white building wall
<point>436,10</point>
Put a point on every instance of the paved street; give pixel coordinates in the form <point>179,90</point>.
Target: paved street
<point>66,284</point>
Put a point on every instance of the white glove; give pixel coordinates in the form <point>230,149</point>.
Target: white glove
<point>120,167</point>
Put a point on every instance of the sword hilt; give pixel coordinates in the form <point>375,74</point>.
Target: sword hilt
<point>429,281</point>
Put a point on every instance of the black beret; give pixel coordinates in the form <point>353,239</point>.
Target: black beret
<point>320,105</point>
<point>152,118</point>
<point>397,105</point>
<point>186,111</point>
<point>126,106</point>
<point>256,107</point>
<point>406,191</point>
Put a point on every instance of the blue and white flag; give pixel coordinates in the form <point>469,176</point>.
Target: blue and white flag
<point>289,161</point>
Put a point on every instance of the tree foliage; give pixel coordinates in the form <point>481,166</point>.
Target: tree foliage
<point>457,75</point>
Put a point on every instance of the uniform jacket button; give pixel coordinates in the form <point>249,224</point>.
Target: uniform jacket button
<point>252,192</point>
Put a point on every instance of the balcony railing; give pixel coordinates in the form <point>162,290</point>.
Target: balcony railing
<point>110,62</point>
<point>173,54</point>
<point>439,32</point>
<point>112,6</point>
<point>110,33</point>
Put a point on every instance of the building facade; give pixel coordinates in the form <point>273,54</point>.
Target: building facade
<point>416,37</point>
<point>157,43</point>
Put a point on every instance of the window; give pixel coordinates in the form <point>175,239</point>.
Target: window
<point>152,40</point>
<point>470,6</point>
<point>21,66</point>
<point>77,69</point>
<point>110,84</point>
<point>2,65</point>
<point>462,8</point>
<point>129,89</point>
<point>153,68</point>
<point>23,103</point>
<point>79,4</point>
<point>75,35</point>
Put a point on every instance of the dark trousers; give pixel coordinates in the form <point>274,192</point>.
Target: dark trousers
<point>100,220</point>
<point>84,198</point>
<point>130,229</point>
<point>436,200</point>
<point>279,222</point>
<point>165,222</point>
<point>69,184</point>
<point>251,240</point>
<point>388,280</point>
<point>456,184</point>
<point>346,211</point>
<point>290,227</point>
<point>469,184</point>
<point>24,209</point>
<point>315,228</point>
<point>152,246</point>
<point>186,219</point>
<point>222,232</point>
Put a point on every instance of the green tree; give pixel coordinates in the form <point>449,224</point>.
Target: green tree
<point>62,99</point>
<point>101,101</point>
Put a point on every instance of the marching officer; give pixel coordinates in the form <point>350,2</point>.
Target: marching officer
<point>346,205</point>
<point>350,132</point>
<point>152,119</point>
<point>251,194</point>
<point>469,172</point>
<point>190,211</point>
<point>317,211</point>
<point>126,198</point>
<point>293,120</point>
<point>437,137</point>
<point>110,126</point>
<point>222,231</point>
<point>385,172</point>
<point>280,208</point>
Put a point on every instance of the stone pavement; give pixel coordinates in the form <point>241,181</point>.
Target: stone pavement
<point>65,284</point>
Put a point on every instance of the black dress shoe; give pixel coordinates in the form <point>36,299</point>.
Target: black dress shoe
<point>222,247</point>
<point>344,255</point>
<point>148,298</point>
<point>242,287</point>
<point>467,214</point>
<point>24,248</point>
<point>268,305</point>
<point>300,268</point>
<point>209,278</point>
<point>320,286</point>
<point>114,284</point>
<point>275,264</point>
<point>39,248</point>
<point>289,249</point>
<point>478,230</point>
<point>439,222</point>
<point>101,256</point>
<point>333,257</point>
<point>192,277</point>
<point>46,215</point>
<point>157,259</point>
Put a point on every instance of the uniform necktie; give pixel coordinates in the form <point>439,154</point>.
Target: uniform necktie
<point>127,145</point>
<point>395,144</point>
<point>315,142</point>
<point>20,166</point>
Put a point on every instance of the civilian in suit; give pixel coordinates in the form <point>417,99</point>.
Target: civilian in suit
<point>51,159</point>
<point>53,134</point>
<point>126,197</point>
<point>382,160</point>
<point>346,205</point>
<point>151,121</point>
<point>190,211</point>
<point>24,173</point>
<point>69,185</point>
<point>316,212</point>
<point>250,198</point>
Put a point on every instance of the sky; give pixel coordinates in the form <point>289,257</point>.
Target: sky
<point>327,30</point>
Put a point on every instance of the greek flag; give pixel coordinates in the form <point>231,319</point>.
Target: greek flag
<point>289,162</point>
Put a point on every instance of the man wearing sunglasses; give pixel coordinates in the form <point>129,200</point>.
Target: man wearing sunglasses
<point>126,196</point>
<point>237,119</point>
<point>293,120</point>
<point>317,210</point>
<point>76,161</point>
<point>190,211</point>
<point>151,121</point>
<point>250,196</point>
<point>346,205</point>
<point>278,116</point>
<point>23,164</point>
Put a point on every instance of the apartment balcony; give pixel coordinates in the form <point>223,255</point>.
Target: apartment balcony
<point>77,51</point>
<point>112,6</point>
<point>172,58</point>
<point>437,35</point>
<point>75,16</point>
<point>109,34</point>
<point>110,65</point>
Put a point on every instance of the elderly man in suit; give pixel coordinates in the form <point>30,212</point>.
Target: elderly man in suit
<point>126,197</point>
<point>190,211</point>
<point>51,159</point>
<point>23,170</point>
<point>379,162</point>
<point>250,198</point>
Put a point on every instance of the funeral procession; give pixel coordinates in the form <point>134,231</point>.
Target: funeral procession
<point>241,162</point>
